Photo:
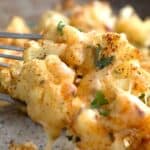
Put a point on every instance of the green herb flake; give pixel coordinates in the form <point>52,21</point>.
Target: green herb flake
<point>99,100</point>
<point>98,48</point>
<point>104,112</point>
<point>80,29</point>
<point>104,61</point>
<point>142,97</point>
<point>60,27</point>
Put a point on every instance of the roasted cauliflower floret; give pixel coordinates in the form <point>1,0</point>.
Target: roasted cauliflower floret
<point>93,16</point>
<point>42,49</point>
<point>48,18</point>
<point>17,25</point>
<point>114,128</point>
<point>48,24</point>
<point>64,33</point>
<point>52,86</point>
<point>130,23</point>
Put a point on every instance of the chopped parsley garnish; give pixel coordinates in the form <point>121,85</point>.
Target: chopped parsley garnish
<point>101,62</point>
<point>60,27</point>
<point>104,112</point>
<point>99,101</point>
<point>104,61</point>
<point>80,29</point>
<point>142,96</point>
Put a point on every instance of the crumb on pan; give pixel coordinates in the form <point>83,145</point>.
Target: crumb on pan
<point>25,146</point>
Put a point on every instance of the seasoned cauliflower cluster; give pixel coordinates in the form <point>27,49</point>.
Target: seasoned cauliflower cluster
<point>93,83</point>
<point>137,30</point>
<point>16,25</point>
